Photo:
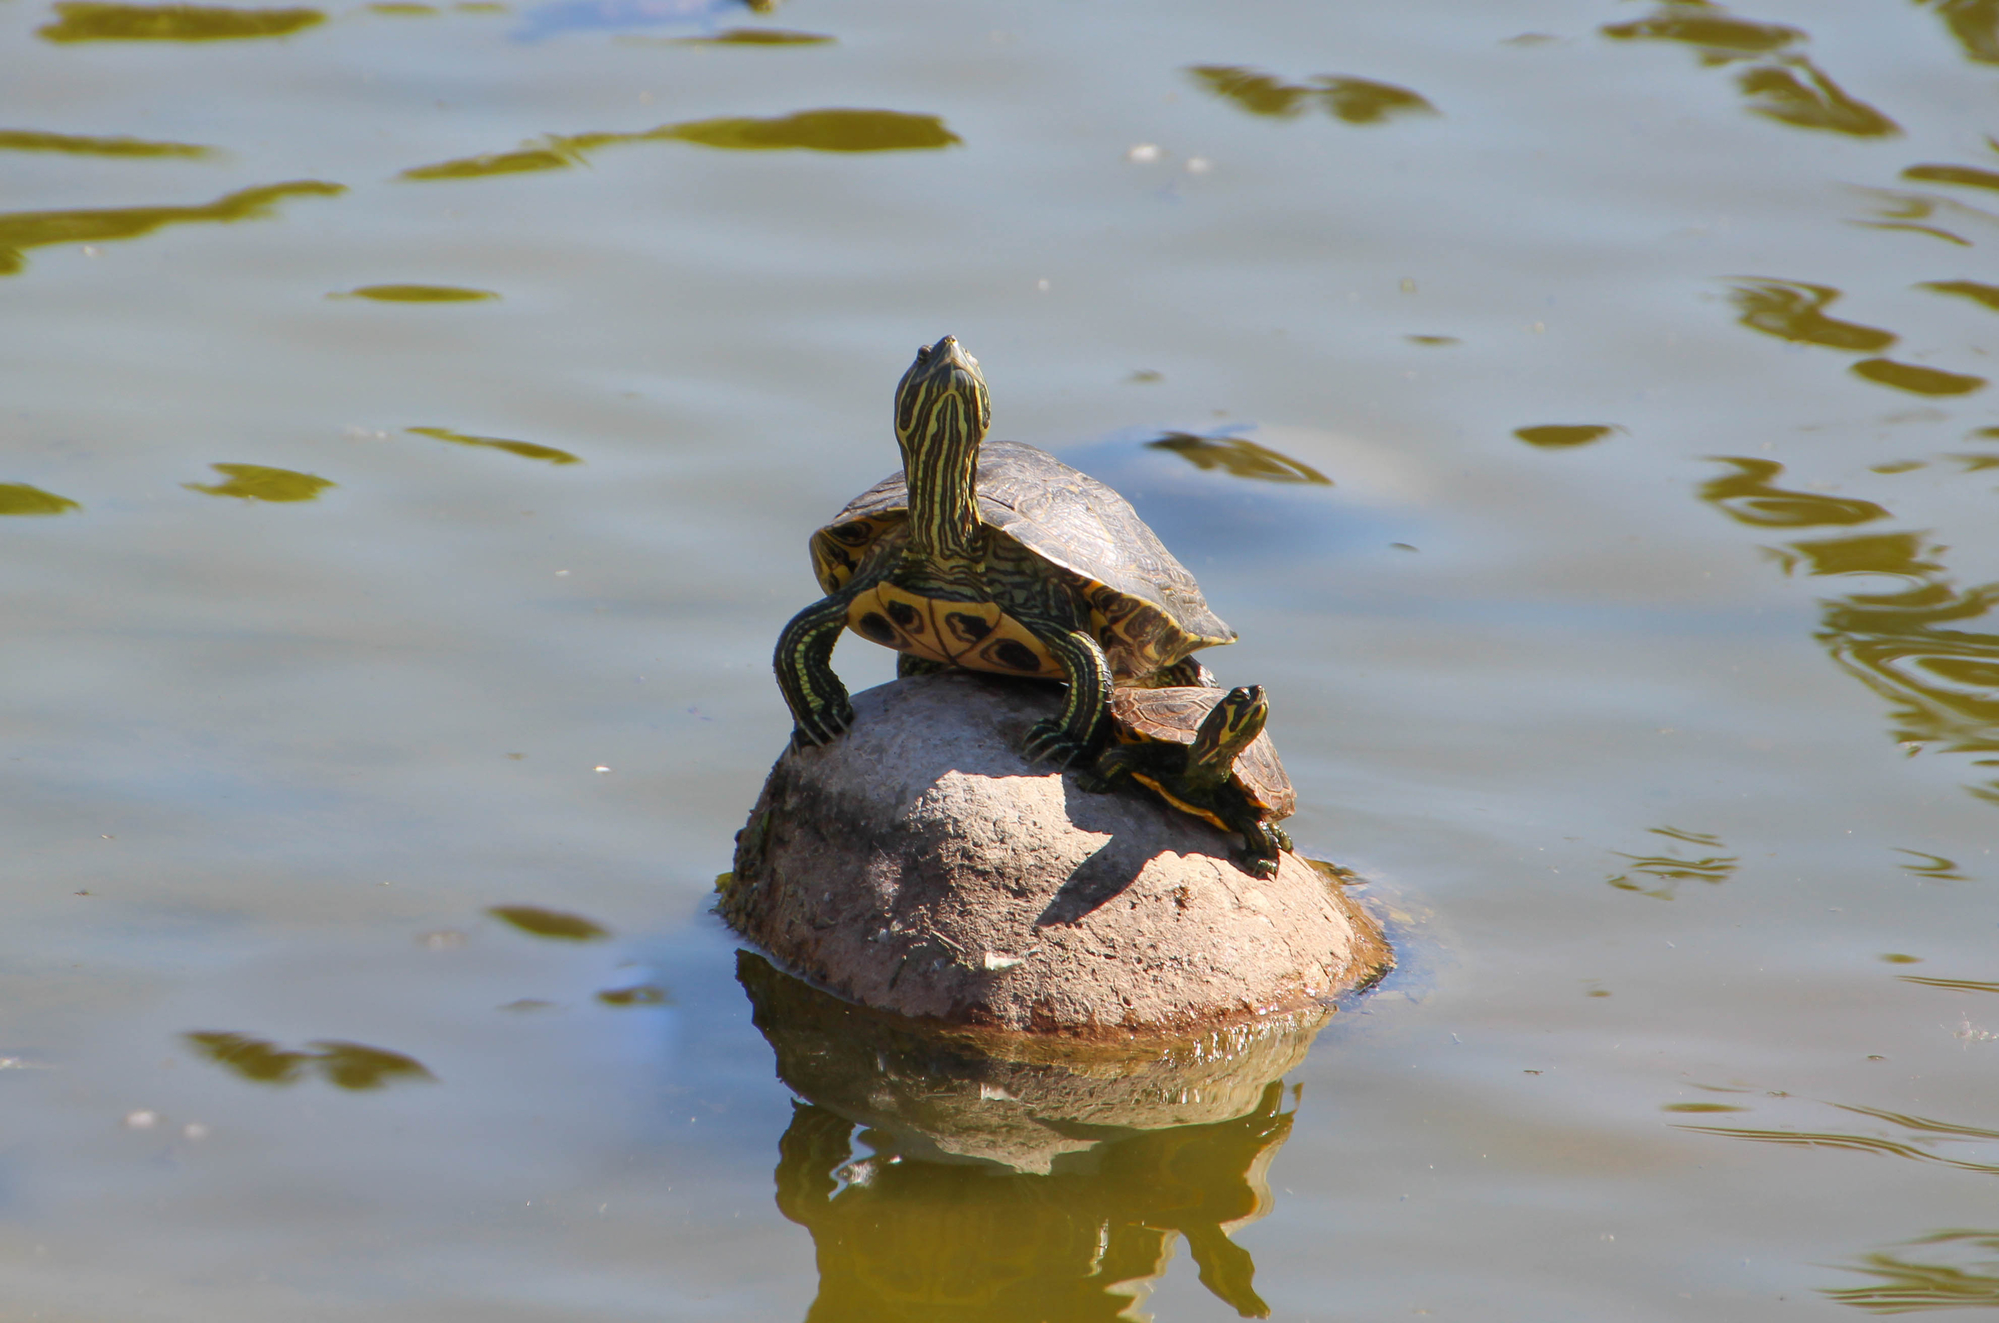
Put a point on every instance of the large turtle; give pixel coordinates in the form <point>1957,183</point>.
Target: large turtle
<point>993,558</point>
<point>1205,753</point>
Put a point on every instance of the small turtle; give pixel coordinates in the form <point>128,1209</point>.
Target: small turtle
<point>992,557</point>
<point>1205,753</point>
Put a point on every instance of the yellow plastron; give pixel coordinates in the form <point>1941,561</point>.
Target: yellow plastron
<point>975,635</point>
<point>1178,803</point>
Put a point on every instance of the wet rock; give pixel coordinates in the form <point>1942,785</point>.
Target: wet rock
<point>920,865</point>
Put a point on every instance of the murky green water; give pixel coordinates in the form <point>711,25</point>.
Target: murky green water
<point>414,416</point>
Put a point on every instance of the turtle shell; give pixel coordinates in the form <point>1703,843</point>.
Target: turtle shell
<point>1145,607</point>
<point>1173,714</point>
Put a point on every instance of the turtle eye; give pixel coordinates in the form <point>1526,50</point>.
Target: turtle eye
<point>923,353</point>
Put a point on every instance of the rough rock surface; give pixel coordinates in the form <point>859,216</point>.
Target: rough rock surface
<point>919,865</point>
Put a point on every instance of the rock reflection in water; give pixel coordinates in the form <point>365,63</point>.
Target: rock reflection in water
<point>1009,1178</point>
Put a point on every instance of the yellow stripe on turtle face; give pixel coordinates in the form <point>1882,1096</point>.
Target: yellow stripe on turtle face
<point>1181,804</point>
<point>975,635</point>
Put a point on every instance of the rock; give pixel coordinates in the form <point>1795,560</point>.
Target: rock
<point>920,865</point>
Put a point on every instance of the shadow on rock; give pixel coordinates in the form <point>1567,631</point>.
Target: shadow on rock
<point>1113,867</point>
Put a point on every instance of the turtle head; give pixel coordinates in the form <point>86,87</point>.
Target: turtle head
<point>941,396</point>
<point>1229,728</point>
<point>941,412</point>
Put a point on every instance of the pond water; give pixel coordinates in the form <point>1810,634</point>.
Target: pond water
<point>415,413</point>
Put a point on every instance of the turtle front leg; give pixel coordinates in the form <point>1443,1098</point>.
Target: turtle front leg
<point>1068,737</point>
<point>1263,842</point>
<point>1263,853</point>
<point>908,664</point>
<point>820,710</point>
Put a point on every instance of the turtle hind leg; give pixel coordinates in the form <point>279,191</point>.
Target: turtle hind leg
<point>1263,854</point>
<point>1110,768</point>
<point>908,665</point>
<point>1187,671</point>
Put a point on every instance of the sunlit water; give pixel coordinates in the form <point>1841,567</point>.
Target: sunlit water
<point>414,416</point>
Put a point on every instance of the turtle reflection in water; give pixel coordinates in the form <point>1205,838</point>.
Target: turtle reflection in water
<point>953,1175</point>
<point>992,557</point>
<point>1205,753</point>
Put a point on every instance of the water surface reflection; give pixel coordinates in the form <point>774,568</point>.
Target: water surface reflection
<point>18,498</point>
<point>32,140</point>
<point>1355,100</point>
<point>1911,645</point>
<point>1782,84</point>
<point>1904,1285</point>
<point>1004,1179</point>
<point>1239,456</point>
<point>833,130</point>
<point>354,1066</point>
<point>89,20</point>
<point>35,229</point>
<point>260,482</point>
<point>525,449</point>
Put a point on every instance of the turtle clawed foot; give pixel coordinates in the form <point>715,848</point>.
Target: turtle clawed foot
<point>1091,783</point>
<point>823,727</point>
<point>1264,850</point>
<point>1050,741</point>
<point>1259,865</point>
